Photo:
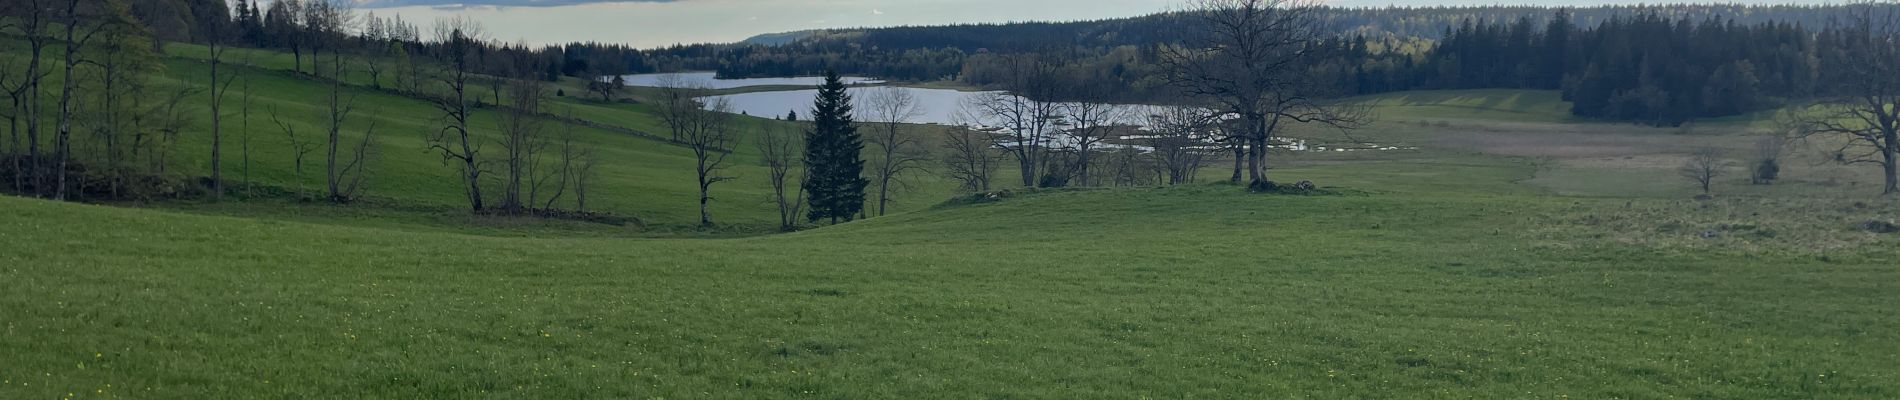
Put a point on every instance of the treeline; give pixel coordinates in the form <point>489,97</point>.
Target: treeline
<point>1646,68</point>
<point>936,52</point>
<point>1654,64</point>
<point>91,118</point>
<point>300,27</point>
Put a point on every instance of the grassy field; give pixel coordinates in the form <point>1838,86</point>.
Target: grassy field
<point>1414,290</point>
<point>637,177</point>
<point>1508,252</point>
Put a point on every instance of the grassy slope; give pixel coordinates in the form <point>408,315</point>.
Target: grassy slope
<point>1435,275</point>
<point>637,177</point>
<point>1196,291</point>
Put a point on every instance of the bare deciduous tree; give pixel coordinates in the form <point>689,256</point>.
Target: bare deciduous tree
<point>300,147</point>
<point>1182,138</point>
<point>583,177</point>
<point>1864,115</point>
<point>897,153</point>
<point>704,127</point>
<point>1089,123</point>
<point>171,118</point>
<point>14,84</point>
<point>1128,167</point>
<point>563,169</point>
<point>520,122</point>
<point>676,103</point>
<point>1703,167</point>
<point>780,152</point>
<point>458,39</point>
<point>80,28</point>
<point>1025,123</point>
<point>606,86</point>
<point>338,177</point>
<point>244,112</point>
<point>123,63</point>
<point>1247,57</point>
<point>214,32</point>
<point>971,156</point>
<point>34,20</point>
<point>326,24</point>
<point>709,131</point>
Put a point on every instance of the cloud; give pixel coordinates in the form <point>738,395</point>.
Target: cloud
<point>491,3</point>
<point>877,12</point>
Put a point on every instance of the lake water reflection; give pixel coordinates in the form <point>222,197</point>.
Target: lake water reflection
<point>939,105</point>
<point>710,80</point>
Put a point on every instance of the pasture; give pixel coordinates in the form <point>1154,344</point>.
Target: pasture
<point>1515,253</point>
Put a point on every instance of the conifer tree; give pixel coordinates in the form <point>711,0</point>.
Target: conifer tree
<point>834,184</point>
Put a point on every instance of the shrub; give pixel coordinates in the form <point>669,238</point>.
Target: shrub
<point>1053,181</point>
<point>1766,171</point>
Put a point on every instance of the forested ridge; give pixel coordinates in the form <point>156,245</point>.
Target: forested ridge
<point>1661,65</point>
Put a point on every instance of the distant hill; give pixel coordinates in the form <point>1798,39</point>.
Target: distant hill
<point>1419,22</point>
<point>775,39</point>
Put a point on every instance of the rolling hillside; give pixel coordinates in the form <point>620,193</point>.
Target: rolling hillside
<point>637,177</point>
<point>1498,249</point>
<point>1473,289</point>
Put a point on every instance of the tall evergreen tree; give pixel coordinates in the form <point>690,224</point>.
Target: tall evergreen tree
<point>834,184</point>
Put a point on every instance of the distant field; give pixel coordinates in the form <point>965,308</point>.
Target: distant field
<point>1485,104</point>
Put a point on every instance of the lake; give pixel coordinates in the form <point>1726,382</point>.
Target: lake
<point>940,106</point>
<point>710,80</point>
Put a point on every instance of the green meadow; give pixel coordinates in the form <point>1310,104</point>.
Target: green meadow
<point>1506,251</point>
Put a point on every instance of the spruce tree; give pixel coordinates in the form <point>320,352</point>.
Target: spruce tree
<point>834,184</point>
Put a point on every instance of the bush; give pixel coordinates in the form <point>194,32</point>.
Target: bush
<point>1766,171</point>
<point>1304,188</point>
<point>1053,181</point>
<point>978,198</point>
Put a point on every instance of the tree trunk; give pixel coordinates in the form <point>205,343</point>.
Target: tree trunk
<point>883,193</point>
<point>110,68</point>
<point>336,128</point>
<point>1254,126</point>
<point>1240,156</point>
<point>13,148</point>
<point>63,144</point>
<point>705,215</point>
<point>1026,158</point>
<point>1082,166</point>
<point>32,105</point>
<point>217,170</point>
<point>1892,186</point>
<point>474,183</point>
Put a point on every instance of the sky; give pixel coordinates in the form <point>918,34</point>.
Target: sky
<point>661,23</point>
<point>655,23</point>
